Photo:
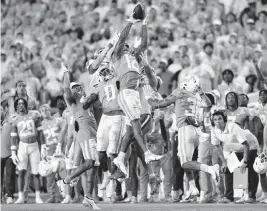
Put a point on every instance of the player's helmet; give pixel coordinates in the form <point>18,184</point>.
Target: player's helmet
<point>59,165</point>
<point>106,73</point>
<point>45,168</point>
<point>190,83</point>
<point>260,164</point>
<point>96,54</point>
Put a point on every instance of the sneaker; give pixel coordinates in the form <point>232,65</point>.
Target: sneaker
<point>262,198</point>
<point>177,195</point>
<point>89,202</point>
<point>120,164</point>
<point>190,195</point>
<point>67,200</point>
<point>38,200</point>
<point>9,200</point>
<point>19,201</point>
<point>149,156</point>
<point>134,200</point>
<point>206,199</point>
<point>264,201</point>
<point>126,200</point>
<point>223,200</point>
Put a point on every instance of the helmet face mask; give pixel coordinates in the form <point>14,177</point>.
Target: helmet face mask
<point>96,54</point>
<point>106,74</point>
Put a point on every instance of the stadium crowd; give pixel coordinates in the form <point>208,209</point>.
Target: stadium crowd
<point>62,79</point>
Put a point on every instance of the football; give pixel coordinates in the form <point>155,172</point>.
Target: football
<point>139,12</point>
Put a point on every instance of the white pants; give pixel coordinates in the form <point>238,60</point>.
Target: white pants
<point>188,139</point>
<point>110,131</point>
<point>29,153</point>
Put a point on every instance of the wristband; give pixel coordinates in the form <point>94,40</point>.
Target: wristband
<point>13,148</point>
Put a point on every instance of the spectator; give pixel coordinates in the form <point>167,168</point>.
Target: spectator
<point>227,85</point>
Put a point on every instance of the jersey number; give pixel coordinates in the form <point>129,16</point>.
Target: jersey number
<point>51,136</point>
<point>26,128</point>
<point>132,63</point>
<point>110,92</point>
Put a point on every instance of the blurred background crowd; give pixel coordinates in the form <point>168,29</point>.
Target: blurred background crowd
<point>217,40</point>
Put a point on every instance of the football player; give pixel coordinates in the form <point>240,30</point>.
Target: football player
<point>128,72</point>
<point>189,101</point>
<point>54,130</point>
<point>26,131</point>
<point>111,127</point>
<point>85,126</point>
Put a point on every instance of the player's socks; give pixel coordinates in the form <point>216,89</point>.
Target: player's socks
<point>105,180</point>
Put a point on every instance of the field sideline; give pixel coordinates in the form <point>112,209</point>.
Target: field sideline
<point>138,207</point>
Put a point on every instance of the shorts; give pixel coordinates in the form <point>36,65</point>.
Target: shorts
<point>29,153</point>
<point>110,131</point>
<point>188,139</point>
<point>129,101</point>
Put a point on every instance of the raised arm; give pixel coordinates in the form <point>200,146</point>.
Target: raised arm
<point>143,46</point>
<point>153,81</point>
<point>66,86</point>
<point>92,68</point>
<point>124,34</point>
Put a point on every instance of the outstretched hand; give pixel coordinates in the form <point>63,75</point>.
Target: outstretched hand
<point>115,37</point>
<point>132,19</point>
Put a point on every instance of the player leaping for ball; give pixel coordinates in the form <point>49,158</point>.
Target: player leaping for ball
<point>128,71</point>
<point>85,126</point>
<point>189,101</point>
